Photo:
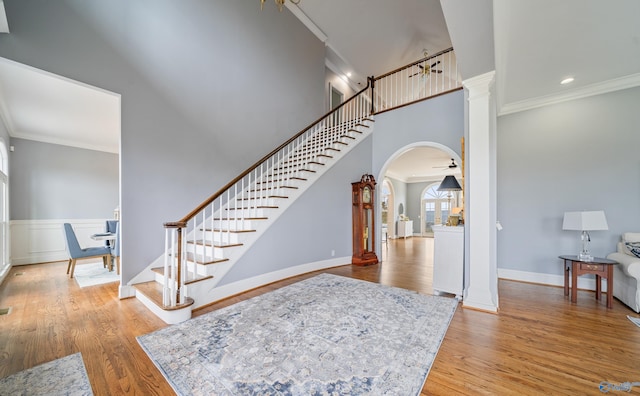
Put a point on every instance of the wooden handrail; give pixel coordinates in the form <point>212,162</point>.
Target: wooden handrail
<point>289,158</point>
<point>414,63</point>
<point>227,186</point>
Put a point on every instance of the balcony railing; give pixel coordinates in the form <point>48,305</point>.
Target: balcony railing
<point>422,79</point>
<point>199,237</point>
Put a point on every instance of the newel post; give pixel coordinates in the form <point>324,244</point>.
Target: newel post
<point>372,83</point>
<point>173,254</point>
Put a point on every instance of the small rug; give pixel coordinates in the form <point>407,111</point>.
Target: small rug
<point>325,335</point>
<point>91,274</point>
<point>635,321</point>
<point>64,376</point>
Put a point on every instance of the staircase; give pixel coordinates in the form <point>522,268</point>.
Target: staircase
<point>204,245</point>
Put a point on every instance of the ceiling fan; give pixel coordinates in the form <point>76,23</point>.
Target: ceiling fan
<point>425,71</point>
<point>452,165</point>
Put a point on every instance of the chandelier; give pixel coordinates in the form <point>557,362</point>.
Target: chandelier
<point>280,3</point>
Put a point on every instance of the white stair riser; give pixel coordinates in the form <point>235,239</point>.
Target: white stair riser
<point>204,291</point>
<point>211,251</point>
<point>235,225</point>
<point>250,212</point>
<point>271,190</point>
<point>253,201</point>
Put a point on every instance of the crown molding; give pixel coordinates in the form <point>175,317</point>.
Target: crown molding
<point>65,142</point>
<point>295,10</point>
<point>616,84</point>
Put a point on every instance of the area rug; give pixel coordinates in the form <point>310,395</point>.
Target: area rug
<point>327,335</point>
<point>64,376</point>
<point>91,274</point>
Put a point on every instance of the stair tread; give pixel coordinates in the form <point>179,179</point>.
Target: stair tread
<point>271,188</point>
<point>254,207</point>
<point>160,270</point>
<point>225,230</point>
<point>199,259</point>
<point>153,291</point>
<point>211,244</point>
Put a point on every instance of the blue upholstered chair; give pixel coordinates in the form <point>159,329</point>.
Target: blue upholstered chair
<point>110,226</point>
<point>76,252</point>
<point>115,249</point>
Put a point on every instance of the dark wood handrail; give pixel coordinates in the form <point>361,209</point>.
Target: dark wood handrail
<point>221,191</point>
<point>414,63</point>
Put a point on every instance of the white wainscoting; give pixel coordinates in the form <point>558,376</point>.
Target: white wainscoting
<point>41,241</point>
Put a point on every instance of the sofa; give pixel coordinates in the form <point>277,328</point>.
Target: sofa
<point>626,275</point>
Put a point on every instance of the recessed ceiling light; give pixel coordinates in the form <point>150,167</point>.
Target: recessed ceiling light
<point>567,80</point>
<point>349,74</point>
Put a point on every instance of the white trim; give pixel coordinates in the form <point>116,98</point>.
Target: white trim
<point>225,291</point>
<point>334,68</point>
<point>546,279</point>
<point>3,275</point>
<point>384,172</point>
<point>579,93</point>
<point>298,13</point>
<point>63,142</point>
<point>169,317</point>
<point>126,291</point>
<point>482,290</point>
<point>42,241</point>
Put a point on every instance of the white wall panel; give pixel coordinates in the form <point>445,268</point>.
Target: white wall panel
<point>40,241</point>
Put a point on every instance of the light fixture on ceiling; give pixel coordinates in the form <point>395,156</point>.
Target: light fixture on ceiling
<point>280,3</point>
<point>567,81</point>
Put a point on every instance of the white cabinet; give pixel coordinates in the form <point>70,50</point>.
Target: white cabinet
<point>405,228</point>
<point>448,260</point>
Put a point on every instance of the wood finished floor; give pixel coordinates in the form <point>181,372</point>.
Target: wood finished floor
<point>539,343</point>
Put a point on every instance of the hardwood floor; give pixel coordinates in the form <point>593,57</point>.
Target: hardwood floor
<point>539,343</point>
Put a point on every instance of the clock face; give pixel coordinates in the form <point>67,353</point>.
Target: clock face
<point>366,195</point>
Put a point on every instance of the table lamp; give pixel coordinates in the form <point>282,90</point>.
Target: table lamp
<point>585,222</point>
<point>449,183</point>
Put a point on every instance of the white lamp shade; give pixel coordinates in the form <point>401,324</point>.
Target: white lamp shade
<point>585,221</point>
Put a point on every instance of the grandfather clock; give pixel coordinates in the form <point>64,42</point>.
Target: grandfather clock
<point>363,204</point>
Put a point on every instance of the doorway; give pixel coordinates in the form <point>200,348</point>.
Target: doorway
<point>435,206</point>
<point>387,210</point>
<point>335,99</point>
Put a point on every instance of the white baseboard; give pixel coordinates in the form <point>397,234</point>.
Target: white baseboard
<point>547,279</point>
<point>4,274</point>
<point>126,291</point>
<point>225,291</point>
<point>41,241</point>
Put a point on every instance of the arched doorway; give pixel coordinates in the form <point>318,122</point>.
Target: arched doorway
<point>387,209</point>
<point>408,185</point>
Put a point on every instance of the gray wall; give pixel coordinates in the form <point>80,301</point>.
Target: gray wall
<point>578,155</point>
<point>439,120</point>
<point>332,79</point>
<point>199,79</point>
<point>317,223</point>
<point>50,181</point>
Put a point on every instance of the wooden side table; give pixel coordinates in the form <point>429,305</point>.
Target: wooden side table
<point>600,267</point>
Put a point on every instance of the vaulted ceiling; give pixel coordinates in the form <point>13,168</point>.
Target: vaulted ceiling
<point>531,44</point>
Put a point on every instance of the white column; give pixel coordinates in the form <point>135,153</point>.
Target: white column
<point>482,291</point>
